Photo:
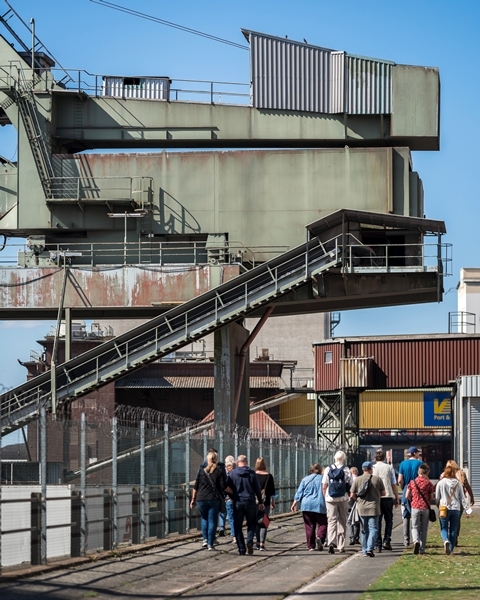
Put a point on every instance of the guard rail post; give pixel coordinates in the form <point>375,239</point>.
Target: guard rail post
<point>36,529</point>
<point>75,532</point>
<point>187,478</point>
<point>280,468</point>
<point>114,485</point>
<point>142,482</point>
<point>43,481</point>
<point>136,500</point>
<point>107,519</point>
<point>83,485</point>
<point>166,466</point>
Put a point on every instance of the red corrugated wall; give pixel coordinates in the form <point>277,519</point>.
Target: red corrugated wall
<point>403,363</point>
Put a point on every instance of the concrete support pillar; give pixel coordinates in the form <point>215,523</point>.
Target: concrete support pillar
<point>228,342</point>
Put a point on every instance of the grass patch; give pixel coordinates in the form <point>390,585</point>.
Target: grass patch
<point>435,576</point>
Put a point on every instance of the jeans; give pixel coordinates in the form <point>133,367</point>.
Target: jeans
<point>230,517</point>
<point>315,527</point>
<point>386,508</point>
<point>209,510</point>
<point>420,523</point>
<point>243,511</point>
<point>449,527</point>
<point>369,533</point>
<point>337,521</point>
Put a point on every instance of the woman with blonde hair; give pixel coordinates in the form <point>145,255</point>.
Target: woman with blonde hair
<point>462,478</point>
<point>267,485</point>
<point>209,493</point>
<point>450,497</point>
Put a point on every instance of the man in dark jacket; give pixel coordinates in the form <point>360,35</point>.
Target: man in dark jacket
<point>243,485</point>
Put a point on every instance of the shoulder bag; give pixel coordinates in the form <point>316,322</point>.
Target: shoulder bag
<point>443,508</point>
<point>432,517</point>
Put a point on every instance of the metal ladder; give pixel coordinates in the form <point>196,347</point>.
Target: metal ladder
<point>170,331</point>
<point>28,111</point>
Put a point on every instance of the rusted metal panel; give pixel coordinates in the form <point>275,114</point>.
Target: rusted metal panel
<point>327,367</point>
<point>404,362</point>
<point>130,287</point>
<point>299,411</point>
<point>261,425</point>
<point>355,372</point>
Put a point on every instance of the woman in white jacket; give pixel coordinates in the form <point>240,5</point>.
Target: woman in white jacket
<point>449,493</point>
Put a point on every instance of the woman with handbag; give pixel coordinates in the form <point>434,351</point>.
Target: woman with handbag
<point>313,507</point>
<point>420,492</point>
<point>209,492</point>
<point>267,485</point>
<point>450,497</point>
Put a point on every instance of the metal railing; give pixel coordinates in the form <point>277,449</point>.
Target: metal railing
<point>190,321</point>
<point>172,330</point>
<point>136,189</point>
<point>80,80</point>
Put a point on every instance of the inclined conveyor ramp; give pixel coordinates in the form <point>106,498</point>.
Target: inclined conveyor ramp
<point>170,331</point>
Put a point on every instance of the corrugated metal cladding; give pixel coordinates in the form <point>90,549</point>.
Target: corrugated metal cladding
<point>150,88</point>
<point>190,382</point>
<point>368,86</point>
<point>402,409</point>
<point>297,412</point>
<point>474,465</point>
<point>327,367</point>
<point>288,75</point>
<point>470,387</point>
<point>404,363</point>
<point>355,372</point>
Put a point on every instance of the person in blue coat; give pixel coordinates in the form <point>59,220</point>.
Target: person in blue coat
<point>313,507</point>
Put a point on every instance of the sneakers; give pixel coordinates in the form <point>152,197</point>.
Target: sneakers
<point>262,547</point>
<point>406,543</point>
<point>387,546</point>
<point>352,541</point>
<point>221,533</point>
<point>211,548</point>
<point>204,544</point>
<point>378,549</point>
<point>319,544</point>
<point>416,547</point>
<point>447,547</point>
<point>331,549</point>
<point>370,553</point>
<point>250,548</point>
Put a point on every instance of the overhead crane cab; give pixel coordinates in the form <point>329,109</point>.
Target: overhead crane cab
<point>370,241</point>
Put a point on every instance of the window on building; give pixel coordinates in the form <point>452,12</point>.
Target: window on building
<point>328,357</point>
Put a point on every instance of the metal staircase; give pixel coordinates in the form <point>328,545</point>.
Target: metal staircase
<point>170,331</point>
<point>28,111</point>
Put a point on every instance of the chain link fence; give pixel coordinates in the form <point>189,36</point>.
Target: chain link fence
<point>99,483</point>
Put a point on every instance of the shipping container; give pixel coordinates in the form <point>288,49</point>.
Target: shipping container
<point>405,409</point>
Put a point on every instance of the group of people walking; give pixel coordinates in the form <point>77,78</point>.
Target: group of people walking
<point>234,491</point>
<point>345,499</point>
<point>335,502</point>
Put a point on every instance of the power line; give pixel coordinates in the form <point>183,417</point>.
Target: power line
<point>141,15</point>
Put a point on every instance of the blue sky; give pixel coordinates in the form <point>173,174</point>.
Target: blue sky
<point>85,35</point>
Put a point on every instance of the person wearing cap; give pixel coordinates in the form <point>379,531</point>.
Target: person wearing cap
<point>368,506</point>
<point>407,472</point>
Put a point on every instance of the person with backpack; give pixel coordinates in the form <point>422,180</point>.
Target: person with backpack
<point>367,490</point>
<point>336,487</point>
